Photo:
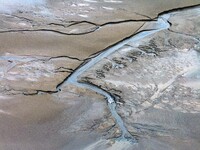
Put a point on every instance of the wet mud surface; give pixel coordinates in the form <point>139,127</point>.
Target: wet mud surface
<point>154,81</point>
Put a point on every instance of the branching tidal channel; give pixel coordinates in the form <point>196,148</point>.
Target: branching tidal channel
<point>160,24</point>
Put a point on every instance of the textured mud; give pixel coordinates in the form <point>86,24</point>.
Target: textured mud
<point>154,81</point>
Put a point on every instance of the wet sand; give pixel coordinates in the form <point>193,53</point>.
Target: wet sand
<point>42,44</point>
<point>155,82</point>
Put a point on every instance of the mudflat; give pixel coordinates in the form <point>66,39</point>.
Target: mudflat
<point>154,81</point>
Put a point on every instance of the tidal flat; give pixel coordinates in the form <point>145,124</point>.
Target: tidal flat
<point>99,74</point>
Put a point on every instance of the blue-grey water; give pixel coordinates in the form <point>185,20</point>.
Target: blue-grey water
<point>9,6</point>
<point>160,24</point>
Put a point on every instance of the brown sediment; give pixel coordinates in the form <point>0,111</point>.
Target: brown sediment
<point>51,44</point>
<point>156,99</point>
<point>35,116</point>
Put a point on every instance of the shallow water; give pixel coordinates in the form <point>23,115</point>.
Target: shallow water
<point>161,24</point>
<point>8,6</point>
<point>85,11</point>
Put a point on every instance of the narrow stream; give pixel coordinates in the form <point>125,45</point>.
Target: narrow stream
<point>161,24</point>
